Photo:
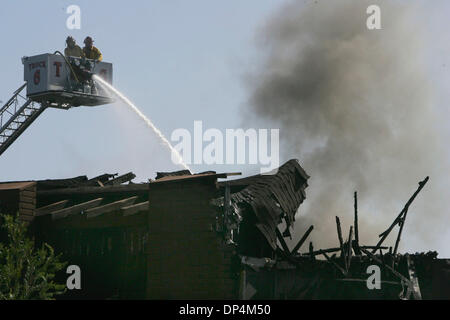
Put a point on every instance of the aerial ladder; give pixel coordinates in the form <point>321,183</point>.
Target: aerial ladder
<point>51,80</point>
<point>16,116</point>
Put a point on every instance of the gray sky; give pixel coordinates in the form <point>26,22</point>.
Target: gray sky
<point>178,61</point>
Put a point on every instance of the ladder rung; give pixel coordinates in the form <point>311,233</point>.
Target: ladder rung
<point>30,110</point>
<point>10,128</point>
<point>12,132</point>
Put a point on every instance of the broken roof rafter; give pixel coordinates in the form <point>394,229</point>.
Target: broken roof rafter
<point>76,209</point>
<point>91,209</point>
<point>51,207</point>
<point>133,209</point>
<point>127,177</point>
<point>113,206</point>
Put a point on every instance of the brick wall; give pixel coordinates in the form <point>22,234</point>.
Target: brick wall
<point>186,257</point>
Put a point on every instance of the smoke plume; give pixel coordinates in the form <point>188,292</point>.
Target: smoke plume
<point>355,106</point>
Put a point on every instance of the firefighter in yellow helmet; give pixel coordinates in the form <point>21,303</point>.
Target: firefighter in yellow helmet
<point>90,51</point>
<point>72,49</point>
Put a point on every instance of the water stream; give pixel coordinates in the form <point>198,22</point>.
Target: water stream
<point>146,120</point>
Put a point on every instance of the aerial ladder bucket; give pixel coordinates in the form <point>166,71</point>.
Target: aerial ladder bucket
<point>52,81</point>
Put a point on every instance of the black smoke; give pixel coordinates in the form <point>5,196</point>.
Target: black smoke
<point>356,107</point>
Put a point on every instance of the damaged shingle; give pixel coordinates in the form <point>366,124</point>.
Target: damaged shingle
<point>270,197</point>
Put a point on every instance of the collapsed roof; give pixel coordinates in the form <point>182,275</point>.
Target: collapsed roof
<point>270,198</point>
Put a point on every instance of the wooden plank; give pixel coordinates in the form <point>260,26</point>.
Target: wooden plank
<point>78,208</point>
<point>349,252</point>
<point>27,193</point>
<point>371,247</point>
<point>121,179</point>
<point>399,218</point>
<point>23,205</point>
<point>311,250</point>
<point>142,206</point>
<point>51,207</point>
<point>28,200</point>
<point>341,241</point>
<point>355,223</point>
<point>101,178</point>
<point>94,212</point>
<point>421,185</point>
<point>319,252</point>
<point>27,212</point>
<point>283,243</point>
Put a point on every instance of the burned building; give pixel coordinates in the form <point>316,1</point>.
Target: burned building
<point>206,236</point>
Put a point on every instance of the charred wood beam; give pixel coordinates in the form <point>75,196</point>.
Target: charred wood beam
<point>415,288</point>
<point>319,252</point>
<point>311,250</point>
<point>302,240</point>
<point>141,188</point>
<point>365,281</point>
<point>98,180</point>
<point>287,233</point>
<point>283,243</point>
<point>399,217</point>
<point>121,179</point>
<point>341,241</point>
<point>344,272</point>
<point>59,214</point>
<point>51,207</point>
<point>133,209</point>
<point>103,177</point>
<point>401,223</point>
<point>94,212</point>
<point>160,175</point>
<point>349,247</point>
<point>396,273</point>
<point>382,256</point>
<point>371,247</point>
<point>405,209</point>
<point>355,223</point>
